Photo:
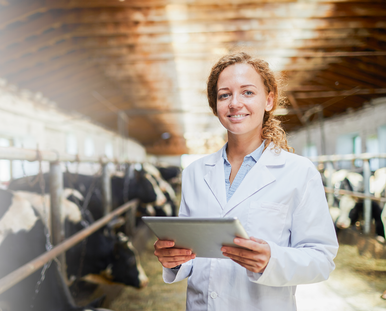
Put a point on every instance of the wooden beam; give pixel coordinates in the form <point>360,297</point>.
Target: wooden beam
<point>28,29</point>
<point>338,93</point>
<point>95,35</point>
<point>40,70</point>
<point>342,78</point>
<point>54,20</point>
<point>176,13</point>
<point>60,76</point>
<point>295,106</point>
<point>20,11</point>
<point>34,44</point>
<point>360,75</point>
<point>43,56</point>
<point>375,69</point>
<point>81,79</point>
<point>80,93</point>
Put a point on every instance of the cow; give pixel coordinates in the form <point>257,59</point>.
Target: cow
<point>124,188</point>
<point>22,239</point>
<point>378,183</point>
<point>169,207</point>
<point>169,173</point>
<point>101,253</point>
<point>357,213</point>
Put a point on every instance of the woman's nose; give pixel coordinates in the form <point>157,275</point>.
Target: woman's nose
<point>235,102</point>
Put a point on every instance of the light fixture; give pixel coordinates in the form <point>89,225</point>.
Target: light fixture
<point>165,135</point>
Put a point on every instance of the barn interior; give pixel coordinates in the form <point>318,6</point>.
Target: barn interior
<point>139,68</point>
<point>124,81</point>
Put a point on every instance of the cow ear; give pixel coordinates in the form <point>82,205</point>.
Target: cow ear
<point>107,232</point>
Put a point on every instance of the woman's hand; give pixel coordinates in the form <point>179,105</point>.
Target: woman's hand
<point>171,257</point>
<point>254,255</point>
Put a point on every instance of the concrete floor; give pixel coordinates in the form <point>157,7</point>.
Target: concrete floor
<point>355,285</point>
<point>343,291</point>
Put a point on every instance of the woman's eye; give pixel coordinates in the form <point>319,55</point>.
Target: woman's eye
<point>223,96</point>
<point>248,93</point>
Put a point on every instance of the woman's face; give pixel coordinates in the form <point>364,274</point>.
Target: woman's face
<point>242,100</point>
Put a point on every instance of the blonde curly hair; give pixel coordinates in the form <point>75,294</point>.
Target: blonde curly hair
<point>271,130</point>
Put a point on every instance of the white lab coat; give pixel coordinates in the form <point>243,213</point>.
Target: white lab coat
<point>282,201</point>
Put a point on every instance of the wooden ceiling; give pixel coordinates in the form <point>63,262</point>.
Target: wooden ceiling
<point>145,62</point>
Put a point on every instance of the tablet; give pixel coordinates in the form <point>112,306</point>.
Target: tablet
<point>204,236</point>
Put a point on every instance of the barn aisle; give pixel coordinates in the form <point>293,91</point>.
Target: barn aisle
<point>355,285</point>
<point>156,296</point>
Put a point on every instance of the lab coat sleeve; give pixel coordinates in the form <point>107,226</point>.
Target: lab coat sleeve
<point>313,244</point>
<point>170,275</point>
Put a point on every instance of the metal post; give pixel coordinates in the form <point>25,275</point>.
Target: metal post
<point>130,222</point>
<point>322,134</point>
<point>106,190</point>
<point>56,198</point>
<point>367,202</point>
<point>330,196</point>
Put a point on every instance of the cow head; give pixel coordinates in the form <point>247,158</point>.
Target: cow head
<point>132,186</point>
<point>125,267</point>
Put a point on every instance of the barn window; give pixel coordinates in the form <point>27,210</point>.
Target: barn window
<point>71,144</point>
<point>5,165</point>
<point>346,145</point>
<point>109,152</point>
<point>382,143</point>
<point>310,150</point>
<point>357,149</point>
<point>372,146</point>
<point>89,147</point>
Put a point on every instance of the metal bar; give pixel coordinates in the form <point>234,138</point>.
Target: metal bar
<point>367,202</point>
<point>130,222</point>
<point>56,199</point>
<point>330,196</point>
<point>106,190</point>
<point>13,153</point>
<point>29,268</point>
<point>355,194</point>
<point>347,157</point>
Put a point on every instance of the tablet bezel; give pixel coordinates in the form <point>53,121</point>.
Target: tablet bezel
<point>205,236</point>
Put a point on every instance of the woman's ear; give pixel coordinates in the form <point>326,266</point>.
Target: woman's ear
<point>269,103</point>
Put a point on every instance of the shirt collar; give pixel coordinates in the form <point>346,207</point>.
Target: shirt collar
<point>255,155</point>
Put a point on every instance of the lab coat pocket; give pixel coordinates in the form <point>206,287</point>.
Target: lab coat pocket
<point>266,220</point>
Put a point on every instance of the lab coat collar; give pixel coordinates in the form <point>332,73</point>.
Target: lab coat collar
<point>256,179</point>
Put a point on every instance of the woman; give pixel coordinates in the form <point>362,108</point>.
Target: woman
<point>277,196</point>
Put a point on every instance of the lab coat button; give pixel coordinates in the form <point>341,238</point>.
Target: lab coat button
<point>213,295</point>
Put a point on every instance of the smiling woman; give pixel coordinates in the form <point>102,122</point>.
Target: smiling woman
<point>257,70</point>
<point>277,196</point>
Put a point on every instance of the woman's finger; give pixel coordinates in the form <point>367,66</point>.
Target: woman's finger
<point>172,252</point>
<point>163,244</point>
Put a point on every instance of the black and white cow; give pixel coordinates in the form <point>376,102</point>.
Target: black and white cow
<point>130,186</point>
<point>22,238</point>
<point>169,173</point>
<point>357,214</point>
<point>169,207</point>
<point>101,253</point>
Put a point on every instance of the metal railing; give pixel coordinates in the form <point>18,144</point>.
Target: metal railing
<point>365,157</point>
<point>21,273</point>
<point>56,193</point>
